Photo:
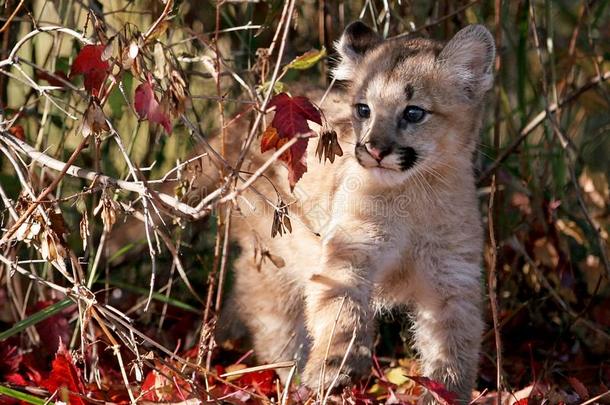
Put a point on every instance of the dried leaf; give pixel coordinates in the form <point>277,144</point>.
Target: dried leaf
<point>94,120</point>
<point>276,260</point>
<point>84,230</point>
<point>160,70</point>
<point>28,230</point>
<point>328,146</point>
<point>281,223</point>
<point>177,93</point>
<point>51,247</point>
<point>595,186</point>
<point>108,209</point>
<point>130,53</point>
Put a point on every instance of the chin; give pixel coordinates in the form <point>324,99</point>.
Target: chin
<point>386,177</point>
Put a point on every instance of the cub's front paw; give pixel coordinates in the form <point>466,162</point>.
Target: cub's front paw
<point>357,365</point>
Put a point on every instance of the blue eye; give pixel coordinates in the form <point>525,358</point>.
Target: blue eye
<point>413,114</point>
<point>363,110</point>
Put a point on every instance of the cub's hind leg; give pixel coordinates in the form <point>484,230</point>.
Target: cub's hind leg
<point>264,307</point>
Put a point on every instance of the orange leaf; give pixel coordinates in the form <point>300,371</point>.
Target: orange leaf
<point>269,139</point>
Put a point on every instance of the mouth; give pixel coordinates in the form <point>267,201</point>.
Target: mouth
<point>403,159</point>
<point>368,162</point>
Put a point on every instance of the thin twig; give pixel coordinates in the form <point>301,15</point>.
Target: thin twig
<point>536,121</point>
<point>492,288</point>
<point>8,234</point>
<point>75,171</point>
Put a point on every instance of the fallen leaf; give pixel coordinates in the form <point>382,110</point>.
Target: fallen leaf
<point>90,64</point>
<point>65,377</point>
<point>261,381</point>
<point>437,389</point>
<point>158,387</point>
<point>396,376</point>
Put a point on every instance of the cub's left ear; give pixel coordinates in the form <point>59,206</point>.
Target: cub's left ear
<point>357,39</point>
<point>469,58</point>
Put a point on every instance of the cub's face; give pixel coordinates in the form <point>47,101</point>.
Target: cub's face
<point>416,104</point>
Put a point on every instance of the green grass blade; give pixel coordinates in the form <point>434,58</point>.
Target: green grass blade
<point>22,396</point>
<point>156,296</point>
<point>35,318</point>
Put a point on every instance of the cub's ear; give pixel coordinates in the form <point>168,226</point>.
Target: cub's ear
<point>357,39</point>
<point>468,58</point>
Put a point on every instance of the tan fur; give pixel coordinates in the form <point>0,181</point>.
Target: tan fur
<point>366,238</point>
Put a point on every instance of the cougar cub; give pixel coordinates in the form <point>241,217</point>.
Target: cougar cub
<point>394,222</point>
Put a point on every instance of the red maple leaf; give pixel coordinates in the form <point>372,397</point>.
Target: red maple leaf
<point>437,389</point>
<point>158,387</point>
<point>89,63</point>
<point>262,381</point>
<point>147,106</point>
<point>65,375</point>
<point>290,121</point>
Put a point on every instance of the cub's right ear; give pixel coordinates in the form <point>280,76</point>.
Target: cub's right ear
<point>357,39</point>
